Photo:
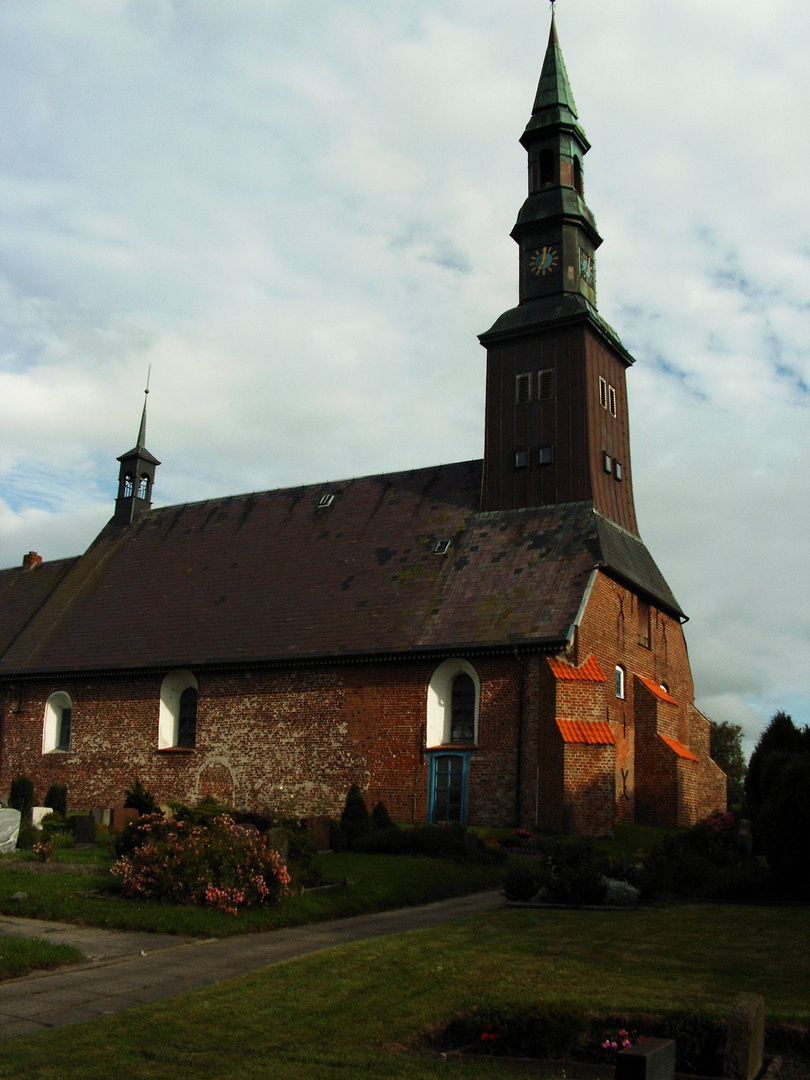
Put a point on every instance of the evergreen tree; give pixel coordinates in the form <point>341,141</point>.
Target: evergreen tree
<point>726,750</point>
<point>355,821</point>
<point>780,736</point>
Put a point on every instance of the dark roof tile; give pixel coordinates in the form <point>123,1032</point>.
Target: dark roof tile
<point>274,576</point>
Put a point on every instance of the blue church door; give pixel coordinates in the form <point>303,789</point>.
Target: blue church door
<point>447,796</point>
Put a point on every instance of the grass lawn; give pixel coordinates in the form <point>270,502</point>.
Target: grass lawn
<point>376,883</point>
<point>354,1013</point>
<point>19,955</point>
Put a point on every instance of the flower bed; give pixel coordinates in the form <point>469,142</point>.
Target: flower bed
<point>219,864</point>
<point>560,1032</point>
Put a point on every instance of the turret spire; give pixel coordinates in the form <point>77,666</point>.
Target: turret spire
<point>136,476</point>
<point>142,430</point>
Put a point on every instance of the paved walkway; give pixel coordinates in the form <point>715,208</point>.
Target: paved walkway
<point>124,970</point>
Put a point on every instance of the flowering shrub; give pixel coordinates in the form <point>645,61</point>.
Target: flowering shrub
<point>221,865</point>
<point>620,1040</point>
<point>43,850</point>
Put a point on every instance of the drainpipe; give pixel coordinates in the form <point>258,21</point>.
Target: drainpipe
<point>519,762</point>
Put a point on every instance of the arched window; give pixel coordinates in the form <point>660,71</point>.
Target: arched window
<point>187,719</point>
<point>127,486</point>
<point>578,175</point>
<point>462,709</point>
<point>452,706</point>
<point>548,168</point>
<point>58,722</point>
<point>177,724</point>
<point>143,487</point>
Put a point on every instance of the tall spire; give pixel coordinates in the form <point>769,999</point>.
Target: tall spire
<point>136,476</point>
<point>556,414</point>
<point>555,230</point>
<point>554,100</point>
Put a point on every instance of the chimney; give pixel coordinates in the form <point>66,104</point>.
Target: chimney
<point>31,560</point>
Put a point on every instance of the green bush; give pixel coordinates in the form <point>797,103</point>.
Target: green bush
<point>56,798</point>
<point>55,824</point>
<point>203,812</point>
<point>138,798</point>
<point>704,861</point>
<point>573,871</point>
<point>28,836</point>
<point>450,841</point>
<point>784,822</point>
<point>218,864</point>
<point>355,819</point>
<point>381,818</point>
<point>60,840</point>
<point>337,837</point>
<point>522,882</point>
<point>21,795</point>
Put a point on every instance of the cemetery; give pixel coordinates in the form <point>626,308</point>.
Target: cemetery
<point>690,979</point>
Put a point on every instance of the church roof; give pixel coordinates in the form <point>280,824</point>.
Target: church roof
<point>292,575</point>
<point>22,594</point>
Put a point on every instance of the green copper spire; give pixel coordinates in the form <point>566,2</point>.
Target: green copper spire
<point>554,103</point>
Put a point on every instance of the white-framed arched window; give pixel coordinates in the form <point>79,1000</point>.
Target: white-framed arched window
<point>58,722</point>
<point>177,724</point>
<point>454,693</point>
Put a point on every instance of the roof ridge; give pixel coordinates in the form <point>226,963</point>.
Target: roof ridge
<point>306,487</point>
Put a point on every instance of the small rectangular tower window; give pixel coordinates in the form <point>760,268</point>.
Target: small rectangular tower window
<point>617,470</point>
<point>523,388</point>
<point>544,455</point>
<point>522,459</point>
<point>612,398</point>
<point>644,624</point>
<point>620,683</point>
<point>607,463</point>
<point>545,384</point>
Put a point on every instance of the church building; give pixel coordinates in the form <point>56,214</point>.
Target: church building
<point>488,641</point>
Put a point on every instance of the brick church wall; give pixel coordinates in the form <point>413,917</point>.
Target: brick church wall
<point>290,741</point>
<point>589,789</point>
<point>646,772</point>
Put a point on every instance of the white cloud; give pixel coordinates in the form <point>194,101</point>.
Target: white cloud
<point>299,216</point>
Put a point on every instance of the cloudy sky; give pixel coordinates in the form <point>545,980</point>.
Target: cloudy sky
<point>298,214</point>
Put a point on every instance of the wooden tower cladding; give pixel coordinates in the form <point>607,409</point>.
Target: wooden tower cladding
<point>557,427</point>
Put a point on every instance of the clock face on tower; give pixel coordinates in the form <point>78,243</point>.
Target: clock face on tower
<point>587,270</point>
<point>544,261</point>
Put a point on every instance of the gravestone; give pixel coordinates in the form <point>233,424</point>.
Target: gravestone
<point>9,829</point>
<point>38,813</point>
<point>318,832</point>
<point>652,1059</point>
<point>101,815</point>
<point>84,829</point>
<point>745,1038</point>
<point>121,816</point>
<point>279,840</point>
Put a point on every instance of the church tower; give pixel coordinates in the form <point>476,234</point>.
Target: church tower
<point>136,477</point>
<point>556,410</point>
